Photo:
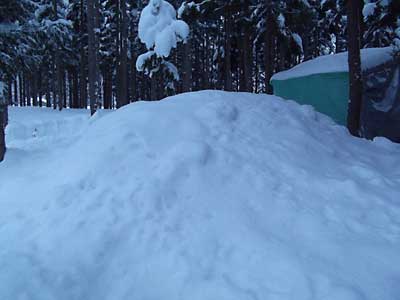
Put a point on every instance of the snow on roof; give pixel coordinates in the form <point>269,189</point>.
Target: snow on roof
<point>370,58</point>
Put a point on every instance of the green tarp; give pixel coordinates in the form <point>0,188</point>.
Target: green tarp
<point>328,93</point>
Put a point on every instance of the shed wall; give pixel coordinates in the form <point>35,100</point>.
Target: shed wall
<point>327,93</point>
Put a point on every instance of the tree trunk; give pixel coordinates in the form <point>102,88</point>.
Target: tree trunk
<point>53,82</point>
<point>97,18</point>
<point>20,86</point>
<point>34,93</point>
<point>2,137</point>
<point>3,123</point>
<point>28,82</point>
<point>56,80</point>
<point>228,49</point>
<point>196,85</point>
<point>257,72</point>
<point>133,82</point>
<point>82,65</point>
<point>154,88</point>
<point>354,60</point>
<point>47,87</point>
<point>40,87</point>
<point>9,94</point>
<point>64,89</point>
<point>91,56</point>
<point>187,67</point>
<point>83,80</point>
<point>16,91</point>
<point>132,78</point>
<point>123,58</point>
<point>60,83</point>
<point>107,89</point>
<point>246,60</point>
<point>24,89</point>
<point>70,87</point>
<point>118,54</point>
<point>269,51</point>
<point>75,89</point>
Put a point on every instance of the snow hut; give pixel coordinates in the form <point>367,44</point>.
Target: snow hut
<point>324,82</point>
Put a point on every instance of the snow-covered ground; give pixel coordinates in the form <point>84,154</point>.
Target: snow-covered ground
<point>207,195</point>
<point>36,127</point>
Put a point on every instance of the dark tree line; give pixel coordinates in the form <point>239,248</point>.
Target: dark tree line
<point>82,53</point>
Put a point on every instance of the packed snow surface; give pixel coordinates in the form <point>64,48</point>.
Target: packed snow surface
<point>335,63</point>
<point>206,195</point>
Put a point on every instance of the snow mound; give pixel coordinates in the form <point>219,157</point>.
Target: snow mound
<point>335,63</point>
<point>206,195</point>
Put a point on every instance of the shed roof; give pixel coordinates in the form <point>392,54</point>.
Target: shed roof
<point>335,63</point>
